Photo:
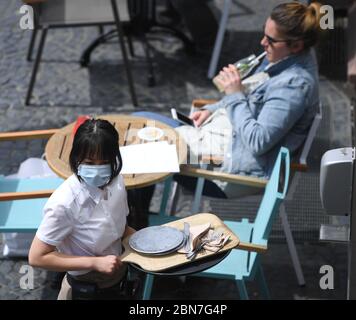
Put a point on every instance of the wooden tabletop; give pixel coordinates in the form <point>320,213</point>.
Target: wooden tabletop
<point>60,144</point>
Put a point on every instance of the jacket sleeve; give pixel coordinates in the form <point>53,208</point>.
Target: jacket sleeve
<point>213,107</point>
<point>282,105</point>
<point>224,102</point>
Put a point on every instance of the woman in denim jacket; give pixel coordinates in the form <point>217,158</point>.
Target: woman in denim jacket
<point>278,106</point>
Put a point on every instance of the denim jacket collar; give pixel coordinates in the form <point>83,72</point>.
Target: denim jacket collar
<point>283,64</point>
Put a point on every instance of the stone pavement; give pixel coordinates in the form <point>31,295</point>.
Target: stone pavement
<point>64,90</point>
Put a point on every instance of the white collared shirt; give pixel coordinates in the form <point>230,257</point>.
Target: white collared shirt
<point>81,220</point>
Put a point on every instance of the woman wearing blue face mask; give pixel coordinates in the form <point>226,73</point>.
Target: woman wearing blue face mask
<point>85,219</point>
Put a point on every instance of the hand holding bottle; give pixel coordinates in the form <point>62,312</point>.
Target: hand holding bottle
<point>230,80</point>
<point>243,66</point>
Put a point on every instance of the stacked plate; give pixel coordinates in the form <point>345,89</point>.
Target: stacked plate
<point>157,240</point>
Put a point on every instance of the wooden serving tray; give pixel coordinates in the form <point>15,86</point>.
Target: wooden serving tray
<point>163,262</point>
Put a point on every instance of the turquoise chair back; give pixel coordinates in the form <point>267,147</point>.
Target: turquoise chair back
<point>24,215</point>
<point>274,194</point>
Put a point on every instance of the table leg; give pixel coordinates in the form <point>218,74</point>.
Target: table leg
<point>139,203</point>
<point>123,50</point>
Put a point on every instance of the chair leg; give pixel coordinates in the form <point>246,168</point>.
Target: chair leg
<point>36,65</point>
<point>291,246</point>
<point>242,289</point>
<point>174,198</point>
<point>148,287</point>
<point>165,196</point>
<point>123,50</point>
<point>131,47</point>
<point>150,77</point>
<point>198,192</point>
<point>262,282</point>
<point>32,43</point>
<point>101,30</point>
<point>198,195</point>
<point>219,40</point>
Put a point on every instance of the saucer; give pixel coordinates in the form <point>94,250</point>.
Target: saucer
<point>150,133</point>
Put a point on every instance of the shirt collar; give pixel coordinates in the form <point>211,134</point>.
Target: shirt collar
<point>277,67</point>
<point>95,193</point>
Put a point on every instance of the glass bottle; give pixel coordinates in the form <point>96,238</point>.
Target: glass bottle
<point>244,66</point>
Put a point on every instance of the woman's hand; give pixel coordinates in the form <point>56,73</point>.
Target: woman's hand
<point>229,79</point>
<point>200,116</point>
<point>107,264</point>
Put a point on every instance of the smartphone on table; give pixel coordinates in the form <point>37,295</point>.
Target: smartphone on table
<point>182,118</point>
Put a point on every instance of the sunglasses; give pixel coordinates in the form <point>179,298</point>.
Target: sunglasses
<point>272,41</point>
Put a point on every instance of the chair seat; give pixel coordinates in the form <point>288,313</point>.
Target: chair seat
<point>81,12</point>
<point>24,215</point>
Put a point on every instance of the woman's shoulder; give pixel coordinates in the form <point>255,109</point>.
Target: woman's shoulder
<point>297,70</point>
<point>294,76</point>
<point>67,192</point>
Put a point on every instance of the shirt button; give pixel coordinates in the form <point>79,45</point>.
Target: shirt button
<point>234,134</point>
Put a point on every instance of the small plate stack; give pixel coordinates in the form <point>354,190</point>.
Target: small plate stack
<point>157,240</point>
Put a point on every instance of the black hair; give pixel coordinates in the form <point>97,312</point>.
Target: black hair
<point>96,138</point>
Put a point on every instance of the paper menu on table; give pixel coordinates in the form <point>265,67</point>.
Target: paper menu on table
<point>152,157</point>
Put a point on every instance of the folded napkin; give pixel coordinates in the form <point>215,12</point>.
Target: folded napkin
<point>196,233</point>
<point>215,240</point>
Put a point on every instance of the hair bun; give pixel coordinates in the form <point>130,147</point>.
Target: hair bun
<point>314,10</point>
<point>313,15</point>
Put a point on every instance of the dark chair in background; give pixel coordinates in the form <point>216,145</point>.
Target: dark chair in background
<point>132,18</point>
<point>142,20</point>
<point>77,13</point>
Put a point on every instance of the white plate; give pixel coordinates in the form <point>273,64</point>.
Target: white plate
<point>156,240</point>
<point>150,133</point>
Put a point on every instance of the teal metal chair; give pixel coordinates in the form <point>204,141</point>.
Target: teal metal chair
<point>240,265</point>
<point>22,200</point>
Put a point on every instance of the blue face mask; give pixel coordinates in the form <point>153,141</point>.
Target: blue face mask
<point>95,175</point>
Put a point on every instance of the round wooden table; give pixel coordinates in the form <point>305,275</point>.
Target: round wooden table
<point>60,144</point>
